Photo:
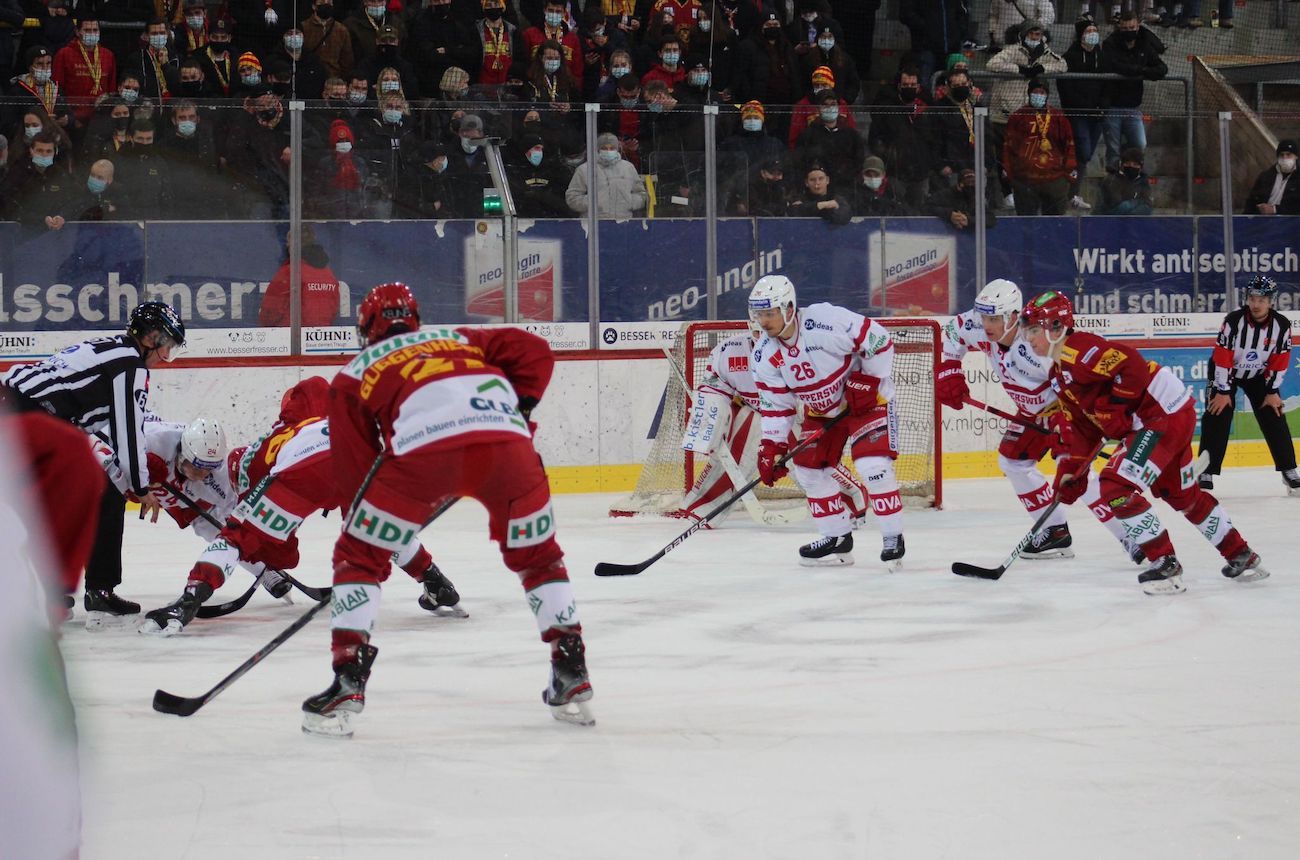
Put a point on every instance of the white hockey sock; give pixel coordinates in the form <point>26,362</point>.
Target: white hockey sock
<point>355,606</point>
<point>882,484</point>
<point>824,500</point>
<point>1216,526</point>
<point>553,605</point>
<point>1032,488</point>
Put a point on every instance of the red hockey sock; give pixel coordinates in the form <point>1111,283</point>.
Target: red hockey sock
<point>344,644</point>
<point>207,573</point>
<point>416,567</point>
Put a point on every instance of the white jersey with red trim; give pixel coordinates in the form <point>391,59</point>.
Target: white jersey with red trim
<point>162,442</point>
<point>1026,377</point>
<point>727,372</point>
<point>828,344</point>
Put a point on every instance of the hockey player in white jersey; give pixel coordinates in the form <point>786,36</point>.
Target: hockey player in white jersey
<point>722,424</point>
<point>829,359</point>
<point>993,328</point>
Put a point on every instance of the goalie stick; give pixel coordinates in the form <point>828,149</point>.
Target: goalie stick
<point>607,568</point>
<point>756,510</point>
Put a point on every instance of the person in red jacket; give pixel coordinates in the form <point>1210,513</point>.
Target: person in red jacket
<point>84,70</point>
<point>1038,155</point>
<point>320,290</point>
<point>1108,390</point>
<point>554,28</point>
<point>419,417</point>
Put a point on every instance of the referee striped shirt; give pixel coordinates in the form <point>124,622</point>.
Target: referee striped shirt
<point>100,385</point>
<point>1246,349</point>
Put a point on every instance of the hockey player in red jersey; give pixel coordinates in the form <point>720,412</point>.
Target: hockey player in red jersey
<point>415,418</point>
<point>1109,391</point>
<point>282,478</point>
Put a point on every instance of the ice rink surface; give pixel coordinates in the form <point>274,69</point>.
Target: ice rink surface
<point>746,707</point>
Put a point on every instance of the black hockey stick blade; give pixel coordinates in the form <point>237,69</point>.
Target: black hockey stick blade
<point>974,571</point>
<point>220,609</point>
<point>169,703</point>
<point>609,568</point>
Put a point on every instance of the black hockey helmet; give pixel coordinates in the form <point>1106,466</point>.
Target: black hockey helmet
<point>156,316</point>
<point>1261,285</point>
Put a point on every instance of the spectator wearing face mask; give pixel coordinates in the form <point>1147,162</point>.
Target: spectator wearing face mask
<point>715,42</point>
<point>108,129</point>
<point>768,71</point>
<point>538,181</point>
<point>1276,191</point>
<point>620,193</point>
<point>669,69</point>
<point>84,70</point>
<point>94,202</point>
<point>697,89</point>
<point>1084,101</point>
<point>597,46</point>
<point>440,41</point>
<point>900,135</point>
<point>811,18</point>
<point>257,155</point>
<point>504,59</point>
<point>1038,155</point>
<point>551,83</point>
<point>1005,14</point>
<point>387,55</point>
<point>251,80</point>
<point>467,170</point>
<point>827,52</point>
<point>554,27</point>
<point>751,145</point>
<point>808,109</point>
<point>146,187</point>
<point>832,144</point>
<point>37,88</point>
<point>621,114</point>
<point>36,189</point>
<point>155,65</point>
<point>1132,51</point>
<point>955,206</point>
<point>1030,58</point>
<point>328,39</point>
<point>1127,191</point>
<point>366,23</point>
<point>765,194</point>
<point>190,34</point>
<point>306,73</point>
<point>430,185</point>
<point>217,59</point>
<point>873,194</point>
<point>390,145</point>
<point>337,188</point>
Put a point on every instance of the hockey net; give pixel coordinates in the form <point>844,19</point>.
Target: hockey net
<point>669,472</point>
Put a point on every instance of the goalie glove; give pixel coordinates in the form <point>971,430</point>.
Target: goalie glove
<point>861,393</point>
<point>768,454</point>
<point>1071,478</point>
<point>950,385</point>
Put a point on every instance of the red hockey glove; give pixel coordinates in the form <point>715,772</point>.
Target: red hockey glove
<point>860,393</point>
<point>1071,478</point>
<point>768,453</point>
<point>950,386</point>
<point>1113,419</point>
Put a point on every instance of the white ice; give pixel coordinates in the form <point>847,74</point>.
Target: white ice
<point>747,707</point>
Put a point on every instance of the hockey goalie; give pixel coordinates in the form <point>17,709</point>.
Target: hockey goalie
<point>724,428</point>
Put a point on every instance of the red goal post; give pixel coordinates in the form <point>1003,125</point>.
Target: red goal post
<point>669,472</point>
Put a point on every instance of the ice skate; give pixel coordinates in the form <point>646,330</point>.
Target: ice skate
<point>69,603</point>
<point>1163,577</point>
<point>1244,567</point>
<point>1206,481</point>
<point>1051,542</point>
<point>440,596</point>
<point>1134,551</point>
<point>891,552</point>
<point>276,584</point>
<point>106,609</point>
<point>329,714</point>
<point>570,689</point>
<point>827,552</point>
<point>1292,480</point>
<point>174,617</point>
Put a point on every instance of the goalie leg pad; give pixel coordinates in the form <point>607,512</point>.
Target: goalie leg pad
<point>707,426</point>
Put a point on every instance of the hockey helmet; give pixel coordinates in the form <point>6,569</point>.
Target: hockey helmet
<point>387,310</point>
<point>203,443</point>
<point>773,291</point>
<point>159,317</point>
<point>1052,311</point>
<point>1261,285</point>
<point>999,298</point>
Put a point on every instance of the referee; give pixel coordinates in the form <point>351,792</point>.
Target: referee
<point>102,387</point>
<point>1252,354</point>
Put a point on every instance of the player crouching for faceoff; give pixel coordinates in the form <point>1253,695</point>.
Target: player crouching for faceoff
<point>415,418</point>
<point>1109,391</point>
<point>281,479</point>
<point>721,423</point>
<point>829,359</point>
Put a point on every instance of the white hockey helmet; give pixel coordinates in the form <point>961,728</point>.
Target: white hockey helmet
<point>773,291</point>
<point>1000,297</point>
<point>203,443</point>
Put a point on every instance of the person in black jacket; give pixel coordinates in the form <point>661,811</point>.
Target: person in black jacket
<point>938,28</point>
<point>539,180</point>
<point>815,200</point>
<point>900,135</point>
<point>873,194</point>
<point>768,71</point>
<point>1084,101</point>
<point>956,206</point>
<point>1276,191</point>
<point>438,42</point>
<point>1132,51</point>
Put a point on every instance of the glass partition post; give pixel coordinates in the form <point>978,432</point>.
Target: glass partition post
<point>1225,165</point>
<point>509,230</point>
<point>295,226</point>
<point>981,198</point>
<point>711,209</point>
<point>593,229</point>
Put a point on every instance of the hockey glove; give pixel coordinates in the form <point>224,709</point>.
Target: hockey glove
<point>951,387</point>
<point>1071,478</point>
<point>1113,419</point>
<point>768,453</point>
<point>861,393</point>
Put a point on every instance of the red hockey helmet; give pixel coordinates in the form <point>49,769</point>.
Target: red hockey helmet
<point>387,310</point>
<point>1051,310</point>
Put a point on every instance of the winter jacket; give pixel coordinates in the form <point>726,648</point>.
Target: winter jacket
<point>1263,187</point>
<point>1039,146</point>
<point>1010,93</point>
<point>1003,15</point>
<point>1084,97</point>
<point>1139,62</point>
<point>619,190</point>
<point>938,26</point>
<point>900,134</point>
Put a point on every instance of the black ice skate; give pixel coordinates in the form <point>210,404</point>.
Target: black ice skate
<point>440,596</point>
<point>1134,551</point>
<point>106,609</point>
<point>329,714</point>
<point>1206,481</point>
<point>570,689</point>
<point>827,552</point>
<point>1163,577</point>
<point>174,617</point>
<point>275,584</point>
<point>1051,542</point>
<point>1244,567</point>
<point>1291,478</point>
<point>892,551</point>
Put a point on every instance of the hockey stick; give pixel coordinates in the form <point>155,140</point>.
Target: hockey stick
<point>313,593</point>
<point>169,703</point>
<point>606,568</point>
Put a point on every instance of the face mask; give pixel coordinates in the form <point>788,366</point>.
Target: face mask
<point>699,79</point>
<point>192,88</point>
<point>392,117</point>
<point>467,144</point>
<point>554,19</point>
<point>551,66</point>
<point>629,103</point>
<point>830,114</point>
<point>325,11</point>
<point>907,94</point>
<point>90,40</point>
<point>30,131</point>
<point>1092,39</point>
<point>440,165</point>
<point>705,26</point>
<point>1131,172</point>
<point>251,80</point>
<point>344,146</point>
<point>534,157</point>
<point>620,71</point>
<point>671,58</point>
<point>443,11</point>
<point>770,33</point>
<point>389,86</point>
<point>1286,165</point>
<point>41,76</point>
<point>158,41</point>
<point>43,161</point>
<point>874,182</point>
<point>218,47</point>
<point>1031,44</point>
<point>376,11</point>
<point>356,96</point>
<point>960,93</point>
<point>752,124</point>
<point>597,32</point>
<point>195,22</point>
<point>609,156</point>
<point>809,16</point>
<point>826,44</point>
<point>121,122</point>
<point>96,185</point>
<point>656,107</point>
<point>293,43</point>
<point>1037,100</point>
<point>187,127</point>
<point>129,96</point>
<point>494,14</point>
<point>575,161</point>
